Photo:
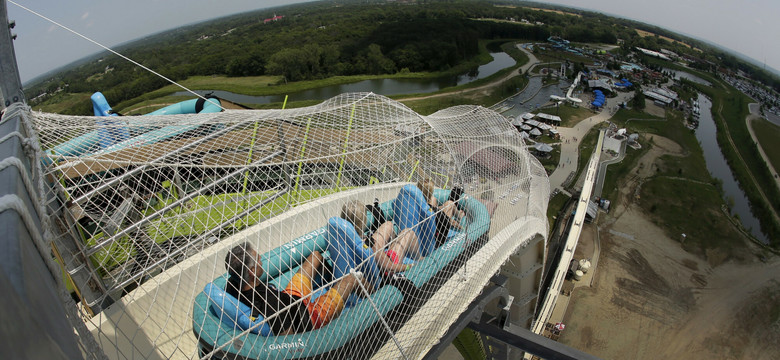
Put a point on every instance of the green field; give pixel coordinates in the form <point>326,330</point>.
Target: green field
<point>768,134</point>
<point>587,144</point>
<point>680,195</point>
<point>555,206</point>
<point>729,109</point>
<point>198,216</point>
<point>570,115</point>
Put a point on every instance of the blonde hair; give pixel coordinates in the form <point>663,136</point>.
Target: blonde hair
<point>354,211</point>
<point>426,186</point>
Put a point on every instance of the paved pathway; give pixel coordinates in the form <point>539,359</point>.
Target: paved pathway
<point>570,150</point>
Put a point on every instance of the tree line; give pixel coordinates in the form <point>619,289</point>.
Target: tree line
<point>324,39</point>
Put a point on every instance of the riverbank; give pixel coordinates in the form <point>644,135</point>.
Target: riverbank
<point>765,134</point>
<point>729,110</point>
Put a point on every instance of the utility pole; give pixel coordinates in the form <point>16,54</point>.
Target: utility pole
<point>10,83</point>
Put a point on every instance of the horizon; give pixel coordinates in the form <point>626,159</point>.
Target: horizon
<point>36,61</point>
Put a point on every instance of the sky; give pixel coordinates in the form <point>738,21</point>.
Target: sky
<point>745,26</point>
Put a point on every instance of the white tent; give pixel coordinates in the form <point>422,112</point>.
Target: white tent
<point>535,132</point>
<point>542,147</point>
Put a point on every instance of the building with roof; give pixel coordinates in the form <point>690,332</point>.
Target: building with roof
<point>600,84</point>
<point>663,100</point>
<point>552,119</point>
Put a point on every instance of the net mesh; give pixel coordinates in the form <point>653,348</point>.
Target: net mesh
<point>146,208</point>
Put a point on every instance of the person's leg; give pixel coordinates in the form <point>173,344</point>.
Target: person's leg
<point>406,243</point>
<point>300,284</point>
<point>382,236</point>
<point>449,209</point>
<point>329,306</point>
<point>311,266</point>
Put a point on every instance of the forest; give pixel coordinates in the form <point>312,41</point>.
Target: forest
<point>331,38</point>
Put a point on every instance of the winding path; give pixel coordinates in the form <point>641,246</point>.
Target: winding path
<point>754,115</point>
<point>532,60</point>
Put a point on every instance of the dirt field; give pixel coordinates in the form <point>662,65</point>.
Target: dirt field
<point>555,11</point>
<point>650,299</point>
<point>643,33</point>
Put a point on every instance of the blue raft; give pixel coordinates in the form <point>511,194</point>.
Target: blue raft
<point>219,319</point>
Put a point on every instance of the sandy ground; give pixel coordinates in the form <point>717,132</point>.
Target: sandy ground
<point>653,109</point>
<point>643,33</point>
<point>650,299</point>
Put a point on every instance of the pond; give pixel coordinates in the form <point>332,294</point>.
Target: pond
<point>719,168</point>
<point>379,86</point>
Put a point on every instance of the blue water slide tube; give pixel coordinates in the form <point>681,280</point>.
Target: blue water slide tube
<point>112,133</point>
<point>199,106</point>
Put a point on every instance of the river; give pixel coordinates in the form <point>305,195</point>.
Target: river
<point>677,75</point>
<point>719,168</point>
<point>379,86</point>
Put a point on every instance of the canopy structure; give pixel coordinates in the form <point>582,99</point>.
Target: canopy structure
<point>542,147</point>
<point>142,228</point>
<point>535,132</point>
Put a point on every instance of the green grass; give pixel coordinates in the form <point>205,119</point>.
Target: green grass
<point>587,144</point>
<point>768,135</point>
<point>430,105</point>
<point>680,196</point>
<point>617,173</point>
<point>61,102</point>
<point>551,162</point>
<point>555,206</point>
<point>198,216</point>
<point>691,208</point>
<point>729,110</point>
<point>570,115</point>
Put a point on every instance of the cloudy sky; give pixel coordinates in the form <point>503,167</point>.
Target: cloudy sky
<point>746,26</point>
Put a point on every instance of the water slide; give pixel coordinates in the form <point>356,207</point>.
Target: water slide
<point>571,88</point>
<point>113,134</point>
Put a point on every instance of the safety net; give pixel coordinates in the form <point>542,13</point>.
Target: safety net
<point>355,228</point>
